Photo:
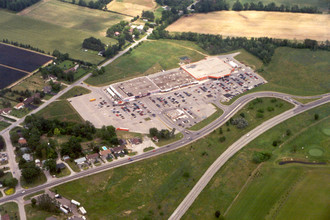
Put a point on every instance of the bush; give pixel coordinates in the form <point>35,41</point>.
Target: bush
<point>240,122</point>
<point>259,115</point>
<point>259,157</point>
<point>186,175</point>
<point>316,116</point>
<point>217,214</point>
<point>222,139</point>
<point>270,109</point>
<point>275,143</point>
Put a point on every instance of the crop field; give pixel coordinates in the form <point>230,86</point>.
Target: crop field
<point>61,110</point>
<point>257,24</point>
<point>125,192</point>
<point>132,7</point>
<point>16,63</point>
<point>9,76</point>
<point>22,59</point>
<point>241,176</point>
<point>93,22</point>
<point>47,36</point>
<point>148,58</point>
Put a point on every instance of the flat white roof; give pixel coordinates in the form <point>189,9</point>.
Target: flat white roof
<point>211,67</point>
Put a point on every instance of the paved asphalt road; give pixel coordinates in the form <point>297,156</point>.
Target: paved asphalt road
<point>234,148</point>
<point>191,137</point>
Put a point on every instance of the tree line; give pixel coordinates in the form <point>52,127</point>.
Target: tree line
<point>99,4</point>
<point>263,47</point>
<point>16,5</point>
<point>238,6</point>
<point>93,44</point>
<point>26,46</point>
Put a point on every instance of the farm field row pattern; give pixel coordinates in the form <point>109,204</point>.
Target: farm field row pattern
<point>48,36</point>
<point>125,192</point>
<point>281,25</point>
<point>265,196</point>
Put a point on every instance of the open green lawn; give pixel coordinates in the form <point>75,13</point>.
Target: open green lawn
<point>10,208</point>
<point>153,188</point>
<point>248,59</point>
<point>75,91</point>
<point>305,101</point>
<point>93,22</point>
<point>208,120</point>
<point>47,36</point>
<point>3,125</point>
<point>33,194</point>
<point>298,71</point>
<point>310,197</point>
<point>230,179</point>
<point>148,58</point>
<point>323,4</point>
<point>61,110</point>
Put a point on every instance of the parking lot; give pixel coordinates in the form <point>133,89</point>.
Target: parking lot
<point>173,103</point>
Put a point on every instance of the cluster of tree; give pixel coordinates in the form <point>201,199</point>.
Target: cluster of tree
<point>56,86</point>
<point>99,4</point>
<point>259,157</point>
<point>30,172</point>
<point>72,148</point>
<point>148,15</point>
<point>21,95</point>
<point>8,182</point>
<point>135,18</point>
<point>2,143</point>
<point>239,122</point>
<point>238,6</point>
<point>261,47</point>
<point>97,71</point>
<point>162,134</point>
<point>58,72</point>
<point>119,27</point>
<point>26,46</point>
<point>65,56</point>
<point>108,133</point>
<point>176,4</point>
<point>16,5</point>
<point>46,203</point>
<point>93,44</point>
<point>205,6</point>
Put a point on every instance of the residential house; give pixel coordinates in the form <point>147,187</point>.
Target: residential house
<point>19,106</point>
<point>122,142</point>
<point>22,141</point>
<point>24,149</point>
<point>60,166</point>
<point>80,160</point>
<point>136,140</point>
<point>155,139</point>
<point>104,154</point>
<point>118,151</point>
<point>28,101</point>
<point>5,111</point>
<point>27,157</point>
<point>117,33</point>
<point>72,69</point>
<point>47,89</point>
<point>92,157</point>
<point>66,157</point>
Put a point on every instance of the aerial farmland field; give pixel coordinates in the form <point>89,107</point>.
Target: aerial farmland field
<point>22,59</point>
<point>91,21</point>
<point>131,7</point>
<point>257,24</point>
<point>46,36</point>
<point>16,63</point>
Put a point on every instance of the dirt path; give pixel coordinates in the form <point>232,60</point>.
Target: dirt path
<point>243,187</point>
<point>28,9</point>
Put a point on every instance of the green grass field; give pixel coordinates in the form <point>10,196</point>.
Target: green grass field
<point>298,71</point>
<point>93,22</point>
<point>229,181</point>
<point>249,59</point>
<point>322,4</point>
<point>37,214</point>
<point>61,110</point>
<point>153,188</point>
<point>10,208</point>
<point>3,125</point>
<point>47,36</point>
<point>75,91</point>
<point>40,180</point>
<point>148,58</point>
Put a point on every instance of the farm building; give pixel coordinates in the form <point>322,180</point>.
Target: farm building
<point>211,67</point>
